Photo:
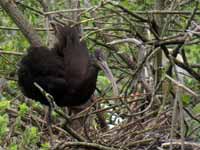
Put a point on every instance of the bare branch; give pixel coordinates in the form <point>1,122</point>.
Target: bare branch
<point>10,7</point>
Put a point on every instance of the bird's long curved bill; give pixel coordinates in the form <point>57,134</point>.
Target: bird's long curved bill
<point>104,66</point>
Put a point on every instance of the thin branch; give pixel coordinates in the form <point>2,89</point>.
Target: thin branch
<point>17,16</point>
<point>86,145</point>
<point>182,86</point>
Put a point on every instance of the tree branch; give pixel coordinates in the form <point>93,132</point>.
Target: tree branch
<point>10,7</point>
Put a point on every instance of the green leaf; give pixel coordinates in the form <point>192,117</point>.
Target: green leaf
<point>4,104</point>
<point>31,136</point>
<point>186,100</point>
<point>45,146</point>
<point>196,108</point>
<point>4,120</point>
<point>23,109</point>
<point>103,81</point>
<point>13,147</point>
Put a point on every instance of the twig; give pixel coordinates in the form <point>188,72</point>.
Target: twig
<point>182,86</point>
<point>191,144</point>
<point>86,145</point>
<point>17,16</point>
<point>10,53</point>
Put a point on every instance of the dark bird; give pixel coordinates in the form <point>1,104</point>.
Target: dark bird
<point>66,71</point>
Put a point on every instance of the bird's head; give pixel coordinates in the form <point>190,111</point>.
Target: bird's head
<point>100,61</point>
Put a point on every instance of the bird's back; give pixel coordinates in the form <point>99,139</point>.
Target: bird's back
<point>75,55</point>
<point>66,72</point>
<point>80,74</point>
<point>41,66</point>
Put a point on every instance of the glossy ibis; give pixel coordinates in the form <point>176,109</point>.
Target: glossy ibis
<point>66,71</point>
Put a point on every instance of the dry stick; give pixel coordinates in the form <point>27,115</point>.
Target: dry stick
<point>7,139</point>
<point>17,16</point>
<point>10,53</point>
<point>14,28</point>
<point>180,104</point>
<point>182,86</point>
<point>192,72</point>
<point>13,111</point>
<point>36,11</point>
<point>129,12</point>
<point>178,143</point>
<point>125,58</point>
<point>176,102</point>
<point>50,100</point>
<point>89,10</point>
<point>191,115</point>
<point>176,50</point>
<point>129,126</point>
<point>142,142</point>
<point>177,40</point>
<point>51,106</point>
<point>64,11</point>
<point>168,18</point>
<point>138,43</point>
<point>50,38</point>
<point>105,109</point>
<point>99,30</point>
<point>164,12</point>
<point>87,145</point>
<point>94,19</point>
<point>51,29</point>
<point>180,64</point>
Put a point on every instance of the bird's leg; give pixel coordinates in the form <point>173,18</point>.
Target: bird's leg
<point>49,125</point>
<point>49,118</point>
<point>52,105</point>
<point>100,115</point>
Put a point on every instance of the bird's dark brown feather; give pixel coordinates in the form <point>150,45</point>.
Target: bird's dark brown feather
<point>66,71</point>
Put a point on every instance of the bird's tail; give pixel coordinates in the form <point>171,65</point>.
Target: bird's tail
<point>66,36</point>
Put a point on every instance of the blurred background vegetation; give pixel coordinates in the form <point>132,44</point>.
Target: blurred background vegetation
<point>148,99</point>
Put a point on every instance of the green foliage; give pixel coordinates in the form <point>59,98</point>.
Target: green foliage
<point>94,2</point>
<point>193,53</point>
<point>186,100</point>
<point>45,146</point>
<point>138,5</point>
<point>10,91</point>
<point>23,109</point>
<point>30,136</point>
<point>102,82</point>
<point>18,123</point>
<point>4,104</point>
<point>36,105</point>
<point>4,120</point>
<point>196,109</point>
<point>13,147</point>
